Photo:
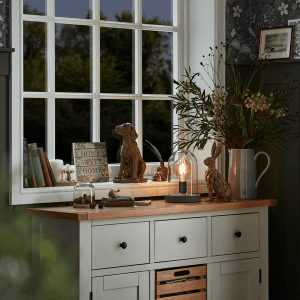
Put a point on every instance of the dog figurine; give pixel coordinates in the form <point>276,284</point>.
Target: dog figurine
<point>132,165</point>
<point>214,179</point>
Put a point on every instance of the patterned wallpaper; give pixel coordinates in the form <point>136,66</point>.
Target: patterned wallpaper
<point>4,23</point>
<point>245,18</point>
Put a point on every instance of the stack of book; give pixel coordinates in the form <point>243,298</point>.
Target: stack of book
<point>37,171</point>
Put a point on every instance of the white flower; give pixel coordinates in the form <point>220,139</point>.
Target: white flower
<point>283,8</point>
<point>237,11</point>
<point>233,32</point>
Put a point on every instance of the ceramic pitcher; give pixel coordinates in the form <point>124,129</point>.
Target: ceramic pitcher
<point>242,173</point>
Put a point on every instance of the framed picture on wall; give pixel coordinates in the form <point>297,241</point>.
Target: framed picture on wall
<point>276,43</point>
<point>296,43</point>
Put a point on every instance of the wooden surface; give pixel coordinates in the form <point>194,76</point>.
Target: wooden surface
<point>172,287</point>
<point>170,274</point>
<point>158,207</point>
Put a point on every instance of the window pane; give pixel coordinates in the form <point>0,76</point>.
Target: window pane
<point>157,128</point>
<point>112,114</point>
<point>34,7</point>
<point>34,55</point>
<point>72,59</point>
<point>157,62</point>
<point>73,9</point>
<point>116,60</point>
<point>72,125</point>
<point>158,12</point>
<point>34,121</point>
<point>116,10</point>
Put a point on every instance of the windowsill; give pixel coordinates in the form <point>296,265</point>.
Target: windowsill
<point>65,194</point>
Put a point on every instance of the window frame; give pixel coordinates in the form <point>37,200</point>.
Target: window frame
<point>181,58</point>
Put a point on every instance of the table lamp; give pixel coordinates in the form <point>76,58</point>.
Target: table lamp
<point>183,166</point>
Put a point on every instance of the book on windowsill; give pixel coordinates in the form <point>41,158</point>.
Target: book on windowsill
<point>45,170</point>
<point>31,176</point>
<point>36,164</point>
<point>25,164</point>
<point>52,177</point>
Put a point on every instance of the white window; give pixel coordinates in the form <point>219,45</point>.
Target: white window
<point>106,61</point>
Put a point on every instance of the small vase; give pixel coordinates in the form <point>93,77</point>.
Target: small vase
<point>242,173</point>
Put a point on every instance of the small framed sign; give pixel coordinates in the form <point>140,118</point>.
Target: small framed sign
<point>91,162</point>
<point>276,43</point>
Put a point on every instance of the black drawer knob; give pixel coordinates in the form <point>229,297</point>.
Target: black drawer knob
<point>238,234</point>
<point>183,239</point>
<point>123,245</point>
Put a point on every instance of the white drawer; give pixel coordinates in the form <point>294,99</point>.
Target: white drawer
<point>168,235</point>
<point>235,234</point>
<point>106,245</point>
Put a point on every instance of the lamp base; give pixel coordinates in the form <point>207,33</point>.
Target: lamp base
<point>186,198</point>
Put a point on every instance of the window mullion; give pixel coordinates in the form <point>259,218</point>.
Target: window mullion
<point>50,102</point>
<point>95,46</point>
<point>138,75</point>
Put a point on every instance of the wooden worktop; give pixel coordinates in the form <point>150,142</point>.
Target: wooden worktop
<point>157,207</point>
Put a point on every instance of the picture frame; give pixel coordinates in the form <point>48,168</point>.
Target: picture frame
<point>296,43</point>
<point>276,43</point>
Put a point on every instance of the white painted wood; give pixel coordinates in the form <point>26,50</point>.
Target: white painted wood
<point>229,276</point>
<point>224,228</point>
<point>264,253</point>
<point>120,281</point>
<point>97,288</point>
<point>85,259</point>
<point>167,239</point>
<point>133,286</point>
<point>209,280</point>
<point>152,284</point>
<point>236,280</point>
<point>208,226</point>
<point>174,264</point>
<point>144,284</point>
<point>152,241</point>
<point>121,294</point>
<point>106,250</point>
<point>216,281</point>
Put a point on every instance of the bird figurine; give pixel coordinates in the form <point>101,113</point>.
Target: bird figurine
<point>114,193</point>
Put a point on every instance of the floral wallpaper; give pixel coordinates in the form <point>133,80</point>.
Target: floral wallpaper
<point>4,23</point>
<point>245,18</point>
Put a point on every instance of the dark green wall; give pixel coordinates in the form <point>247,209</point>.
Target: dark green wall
<point>281,182</point>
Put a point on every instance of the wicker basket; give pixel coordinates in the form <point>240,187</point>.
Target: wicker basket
<point>181,283</point>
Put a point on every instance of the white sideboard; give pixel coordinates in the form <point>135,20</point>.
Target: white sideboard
<point>117,256</point>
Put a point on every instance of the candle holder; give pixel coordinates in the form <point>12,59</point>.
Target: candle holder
<point>183,167</point>
<point>68,170</point>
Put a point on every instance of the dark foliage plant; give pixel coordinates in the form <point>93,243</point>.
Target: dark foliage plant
<point>237,117</point>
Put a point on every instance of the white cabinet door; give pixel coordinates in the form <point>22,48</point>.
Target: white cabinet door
<point>130,286</point>
<point>236,280</point>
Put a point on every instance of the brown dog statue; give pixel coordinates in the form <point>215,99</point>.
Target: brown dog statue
<point>132,166</point>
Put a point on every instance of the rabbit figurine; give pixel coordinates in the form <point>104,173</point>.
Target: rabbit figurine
<point>214,179</point>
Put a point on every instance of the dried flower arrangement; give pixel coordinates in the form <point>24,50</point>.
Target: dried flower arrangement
<point>244,119</point>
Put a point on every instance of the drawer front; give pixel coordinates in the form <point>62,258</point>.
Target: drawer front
<point>168,235</point>
<point>106,241</point>
<point>235,233</point>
